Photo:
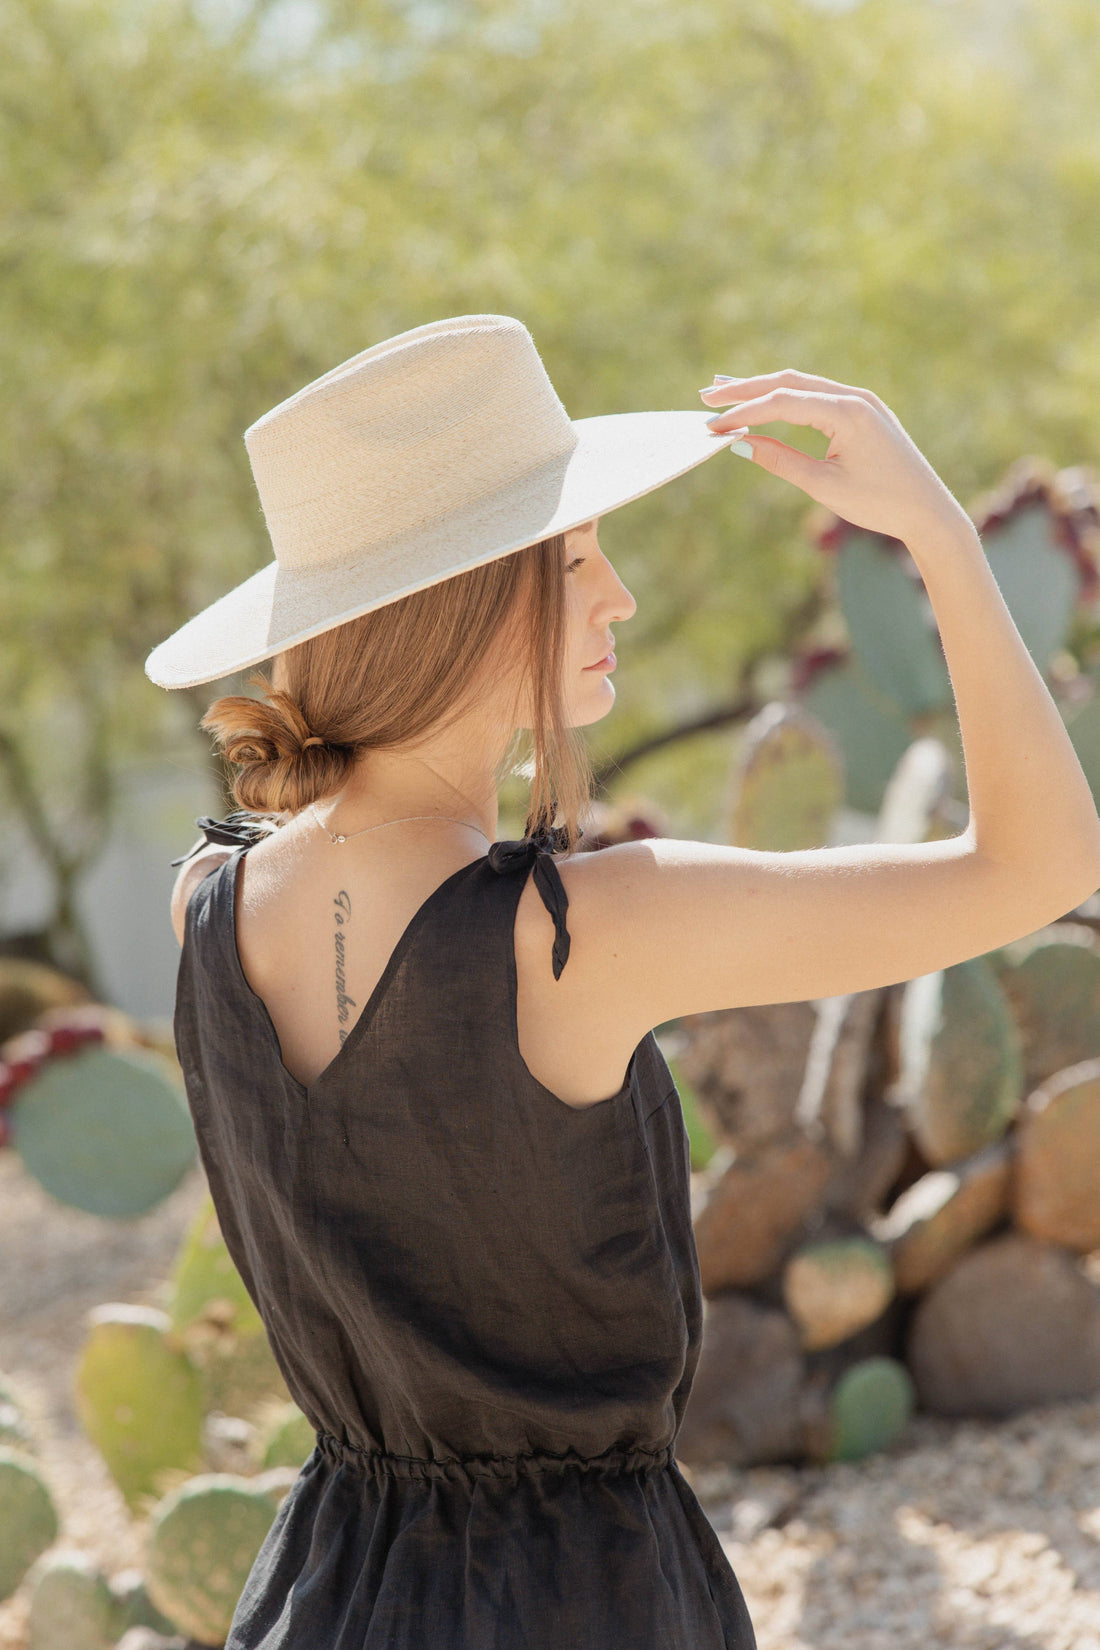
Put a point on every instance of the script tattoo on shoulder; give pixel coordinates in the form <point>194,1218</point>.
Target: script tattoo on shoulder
<point>342,913</point>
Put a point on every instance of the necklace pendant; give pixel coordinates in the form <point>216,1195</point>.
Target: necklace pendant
<point>339,839</point>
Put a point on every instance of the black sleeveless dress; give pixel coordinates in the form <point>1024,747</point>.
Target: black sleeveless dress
<point>485,1301</point>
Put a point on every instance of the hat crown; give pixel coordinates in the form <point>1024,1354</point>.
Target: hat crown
<point>402,435</point>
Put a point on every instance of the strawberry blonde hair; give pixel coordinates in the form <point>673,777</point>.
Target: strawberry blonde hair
<point>384,679</point>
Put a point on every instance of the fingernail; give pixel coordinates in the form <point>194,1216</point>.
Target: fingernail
<point>742,447</point>
<point>725,378</point>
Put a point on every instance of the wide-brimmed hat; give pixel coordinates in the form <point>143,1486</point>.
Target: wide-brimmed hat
<point>422,456</point>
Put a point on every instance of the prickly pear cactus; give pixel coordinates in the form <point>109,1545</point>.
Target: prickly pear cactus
<point>218,1323</point>
<point>870,1408</point>
<point>28,989</point>
<point>834,1289</point>
<point>287,1438</point>
<point>28,1517</point>
<point>890,623</point>
<point>203,1540</point>
<point>960,1077</point>
<point>72,1607</point>
<point>139,1398</point>
<point>106,1130</point>
<point>133,1607</point>
<point>788,784</point>
<point>871,731</point>
<point>1054,994</point>
<point>1035,574</point>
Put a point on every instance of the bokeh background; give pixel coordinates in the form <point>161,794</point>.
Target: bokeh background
<point>204,204</point>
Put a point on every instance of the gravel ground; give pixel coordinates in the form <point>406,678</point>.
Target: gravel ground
<point>977,1535</point>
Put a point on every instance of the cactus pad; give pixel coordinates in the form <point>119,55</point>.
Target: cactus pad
<point>871,1406</point>
<point>834,1289</point>
<point>28,1518</point>
<point>204,1538</point>
<point>72,1607</point>
<point>105,1130</point>
<point>788,784</point>
<point>960,1073</point>
<point>890,624</point>
<point>869,728</point>
<point>288,1440</point>
<point>139,1398</point>
<point>1054,993</point>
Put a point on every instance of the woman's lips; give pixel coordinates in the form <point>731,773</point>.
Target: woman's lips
<point>608,662</point>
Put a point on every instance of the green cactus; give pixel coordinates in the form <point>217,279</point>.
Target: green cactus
<point>1035,575</point>
<point>960,1075</point>
<point>204,1272</point>
<point>203,1541</point>
<point>132,1606</point>
<point>867,725</point>
<point>1083,727</point>
<point>890,623</point>
<point>788,784</point>
<point>106,1130</point>
<point>218,1323</point>
<point>1054,994</point>
<point>870,1408</point>
<point>72,1607</point>
<point>287,1438</point>
<point>28,1517</point>
<point>139,1398</point>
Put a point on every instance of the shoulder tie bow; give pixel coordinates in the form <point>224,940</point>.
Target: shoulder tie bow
<point>536,850</point>
<point>238,829</point>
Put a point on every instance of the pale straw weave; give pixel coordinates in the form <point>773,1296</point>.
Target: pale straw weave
<point>422,456</point>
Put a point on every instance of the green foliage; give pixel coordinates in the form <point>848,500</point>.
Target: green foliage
<point>139,1398</point>
<point>28,1517</point>
<point>702,1143</point>
<point>203,209</point>
<point>106,1130</point>
<point>203,1540</point>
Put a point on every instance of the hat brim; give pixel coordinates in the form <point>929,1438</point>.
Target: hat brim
<point>618,457</point>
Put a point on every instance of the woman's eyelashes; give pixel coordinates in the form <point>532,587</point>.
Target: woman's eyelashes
<point>576,562</point>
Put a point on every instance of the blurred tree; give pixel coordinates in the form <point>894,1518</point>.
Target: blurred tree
<point>204,206</point>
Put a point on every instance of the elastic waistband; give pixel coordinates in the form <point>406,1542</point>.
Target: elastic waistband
<point>474,1468</point>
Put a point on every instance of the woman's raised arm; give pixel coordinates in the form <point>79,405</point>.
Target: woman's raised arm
<point>662,927</point>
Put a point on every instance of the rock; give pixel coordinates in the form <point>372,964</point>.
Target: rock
<point>753,1210</point>
<point>745,1404</point>
<point>960,1080</point>
<point>746,1068</point>
<point>834,1289</point>
<point>1057,1183</point>
<point>147,1638</point>
<point>942,1215</point>
<point>1016,1322</point>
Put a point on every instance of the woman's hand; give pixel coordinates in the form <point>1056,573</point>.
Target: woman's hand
<point>872,475</point>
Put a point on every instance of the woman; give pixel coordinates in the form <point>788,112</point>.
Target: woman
<point>445,1151</point>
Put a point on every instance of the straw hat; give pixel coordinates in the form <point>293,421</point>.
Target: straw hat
<point>422,456</point>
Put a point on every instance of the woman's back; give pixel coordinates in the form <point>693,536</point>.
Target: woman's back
<point>485,1301</point>
<point>316,924</point>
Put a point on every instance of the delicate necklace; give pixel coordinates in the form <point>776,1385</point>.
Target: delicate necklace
<point>341,838</point>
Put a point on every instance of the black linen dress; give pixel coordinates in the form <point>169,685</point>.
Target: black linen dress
<point>485,1301</point>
